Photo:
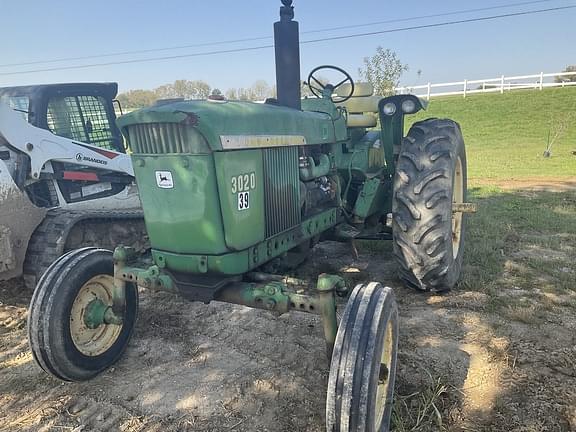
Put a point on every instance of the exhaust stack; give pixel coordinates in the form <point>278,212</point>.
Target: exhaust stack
<point>287,49</point>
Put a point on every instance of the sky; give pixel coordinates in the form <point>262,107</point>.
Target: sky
<point>36,30</point>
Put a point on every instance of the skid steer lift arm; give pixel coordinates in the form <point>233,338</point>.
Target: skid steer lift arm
<point>43,146</point>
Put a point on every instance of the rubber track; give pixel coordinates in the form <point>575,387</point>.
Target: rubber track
<point>50,237</point>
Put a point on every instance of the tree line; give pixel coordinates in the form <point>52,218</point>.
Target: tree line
<point>383,70</point>
<point>193,89</point>
<point>569,78</point>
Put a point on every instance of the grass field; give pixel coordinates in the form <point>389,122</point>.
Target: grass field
<point>511,319</point>
<point>517,296</point>
<point>506,134</point>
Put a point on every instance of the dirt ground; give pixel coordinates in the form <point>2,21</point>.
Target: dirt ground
<point>463,364</point>
<point>548,183</point>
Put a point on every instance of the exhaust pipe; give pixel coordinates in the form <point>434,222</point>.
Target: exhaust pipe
<point>287,50</point>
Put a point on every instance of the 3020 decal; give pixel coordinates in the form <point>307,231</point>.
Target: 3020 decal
<point>243,182</point>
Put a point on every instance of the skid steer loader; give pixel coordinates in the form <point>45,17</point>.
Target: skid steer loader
<point>65,180</point>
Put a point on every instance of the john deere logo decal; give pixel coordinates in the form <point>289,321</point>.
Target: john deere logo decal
<point>164,179</point>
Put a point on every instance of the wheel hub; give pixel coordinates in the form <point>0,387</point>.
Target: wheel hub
<point>384,376</point>
<point>457,199</point>
<point>90,332</point>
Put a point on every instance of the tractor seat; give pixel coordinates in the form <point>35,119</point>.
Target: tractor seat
<point>361,89</point>
<point>361,107</point>
<point>361,121</point>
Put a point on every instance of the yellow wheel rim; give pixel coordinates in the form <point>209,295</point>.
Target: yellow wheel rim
<point>384,376</point>
<point>457,198</point>
<point>93,341</point>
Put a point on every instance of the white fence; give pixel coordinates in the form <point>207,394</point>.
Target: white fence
<point>502,84</point>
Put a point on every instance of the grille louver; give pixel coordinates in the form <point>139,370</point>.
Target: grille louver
<point>163,138</point>
<point>281,189</point>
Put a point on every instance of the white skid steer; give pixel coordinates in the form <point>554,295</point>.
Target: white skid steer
<point>65,180</point>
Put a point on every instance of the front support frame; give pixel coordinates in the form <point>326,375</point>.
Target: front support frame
<point>269,292</point>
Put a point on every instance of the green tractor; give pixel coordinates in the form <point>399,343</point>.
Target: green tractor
<point>234,193</point>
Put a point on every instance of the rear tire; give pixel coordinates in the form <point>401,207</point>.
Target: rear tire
<point>59,338</point>
<point>430,178</point>
<point>363,367</point>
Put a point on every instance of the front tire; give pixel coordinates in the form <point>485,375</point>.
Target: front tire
<point>62,342</point>
<point>363,367</point>
<point>430,178</point>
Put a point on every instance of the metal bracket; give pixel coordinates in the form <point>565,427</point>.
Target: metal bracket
<point>464,208</point>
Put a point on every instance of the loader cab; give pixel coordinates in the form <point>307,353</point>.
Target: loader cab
<point>84,113</point>
<point>79,111</point>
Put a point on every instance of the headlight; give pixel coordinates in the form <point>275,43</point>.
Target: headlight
<point>408,106</point>
<point>389,109</point>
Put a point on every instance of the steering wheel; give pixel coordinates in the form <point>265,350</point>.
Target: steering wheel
<point>319,91</point>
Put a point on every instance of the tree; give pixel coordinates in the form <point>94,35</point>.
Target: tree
<point>134,99</point>
<point>195,89</point>
<point>201,89</point>
<point>260,90</point>
<point>186,89</point>
<point>568,78</point>
<point>165,91</point>
<point>383,70</point>
<point>305,90</point>
<point>231,94</point>
<point>243,94</point>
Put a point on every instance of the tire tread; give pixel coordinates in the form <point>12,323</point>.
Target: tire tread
<point>422,205</point>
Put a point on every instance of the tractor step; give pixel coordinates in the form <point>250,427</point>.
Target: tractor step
<point>375,236</point>
<point>346,232</point>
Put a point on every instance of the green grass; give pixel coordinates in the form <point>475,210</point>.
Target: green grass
<point>506,134</point>
<point>520,251</point>
<point>516,241</point>
<point>530,228</point>
<point>522,242</point>
<point>421,410</point>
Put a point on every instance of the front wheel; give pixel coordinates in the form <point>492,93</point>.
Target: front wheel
<point>363,367</point>
<point>67,332</point>
<point>428,226</point>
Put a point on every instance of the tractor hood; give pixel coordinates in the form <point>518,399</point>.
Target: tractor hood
<point>232,125</point>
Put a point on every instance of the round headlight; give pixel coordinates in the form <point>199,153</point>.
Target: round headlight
<point>408,106</point>
<point>389,109</point>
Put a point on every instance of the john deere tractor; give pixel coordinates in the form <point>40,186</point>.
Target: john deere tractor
<point>234,193</point>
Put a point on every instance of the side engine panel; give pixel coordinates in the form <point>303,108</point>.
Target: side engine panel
<point>241,187</point>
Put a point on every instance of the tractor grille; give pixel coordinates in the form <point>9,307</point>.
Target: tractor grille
<point>281,189</point>
<point>162,138</point>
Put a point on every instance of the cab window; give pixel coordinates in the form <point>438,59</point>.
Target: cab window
<point>19,103</point>
<point>81,118</point>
